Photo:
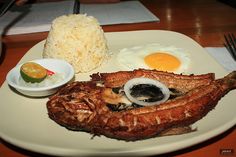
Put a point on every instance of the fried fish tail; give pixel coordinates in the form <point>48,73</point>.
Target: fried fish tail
<point>229,81</point>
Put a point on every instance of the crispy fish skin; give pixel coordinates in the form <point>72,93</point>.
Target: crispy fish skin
<point>179,82</point>
<point>81,106</point>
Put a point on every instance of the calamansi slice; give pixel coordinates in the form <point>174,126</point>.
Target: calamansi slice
<point>33,72</point>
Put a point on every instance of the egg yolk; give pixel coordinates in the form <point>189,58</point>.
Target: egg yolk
<point>162,61</point>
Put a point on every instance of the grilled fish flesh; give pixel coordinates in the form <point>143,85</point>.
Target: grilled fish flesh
<point>94,106</point>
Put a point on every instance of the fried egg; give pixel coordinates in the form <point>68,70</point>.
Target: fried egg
<point>154,56</point>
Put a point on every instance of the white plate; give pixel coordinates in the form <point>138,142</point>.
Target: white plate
<point>25,123</point>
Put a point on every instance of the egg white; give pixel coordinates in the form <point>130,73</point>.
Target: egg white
<point>133,58</point>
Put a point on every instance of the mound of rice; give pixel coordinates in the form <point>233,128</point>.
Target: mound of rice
<point>79,40</point>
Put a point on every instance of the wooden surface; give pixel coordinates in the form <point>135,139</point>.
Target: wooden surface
<point>206,21</point>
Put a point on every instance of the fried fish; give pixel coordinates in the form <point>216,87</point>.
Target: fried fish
<point>100,106</point>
